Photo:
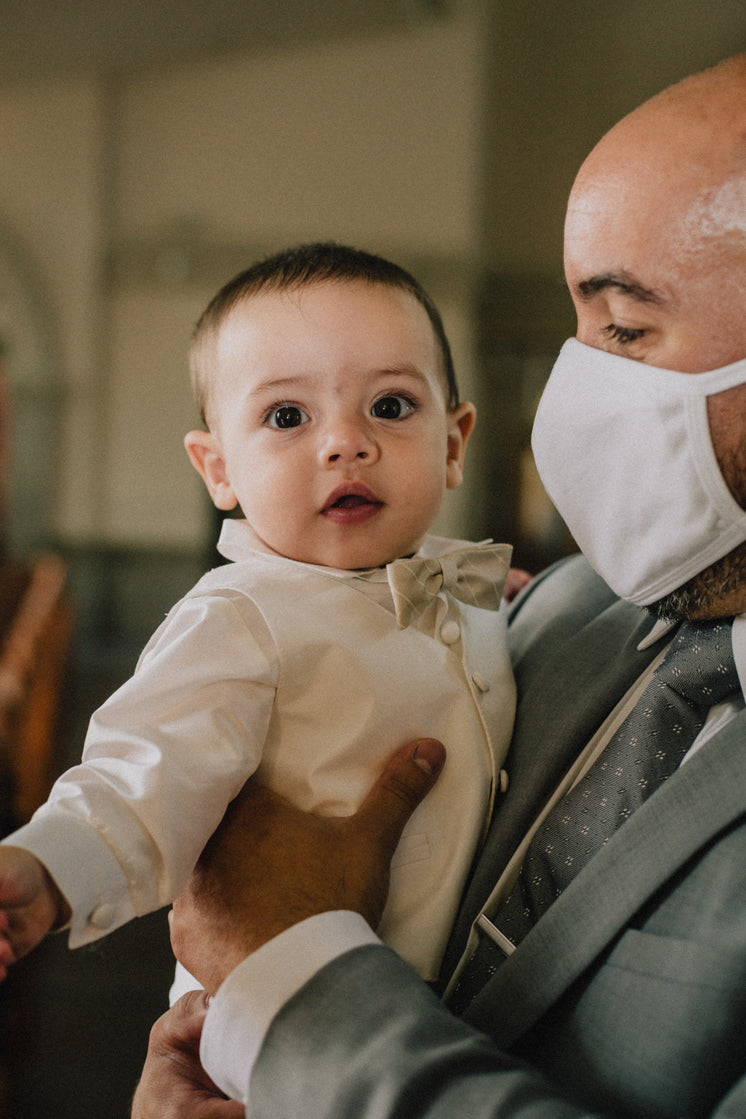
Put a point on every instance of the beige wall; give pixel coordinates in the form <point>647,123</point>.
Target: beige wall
<point>371,142</point>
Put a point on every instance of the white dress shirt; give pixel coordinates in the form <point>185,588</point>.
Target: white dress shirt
<point>300,674</point>
<point>250,997</point>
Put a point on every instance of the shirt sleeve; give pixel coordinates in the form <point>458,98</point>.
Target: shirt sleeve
<point>163,758</point>
<point>248,1000</point>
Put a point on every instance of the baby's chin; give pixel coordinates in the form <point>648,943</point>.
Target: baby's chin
<point>381,560</point>
<point>349,555</point>
<point>366,561</point>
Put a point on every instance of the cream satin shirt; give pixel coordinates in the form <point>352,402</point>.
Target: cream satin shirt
<point>299,674</point>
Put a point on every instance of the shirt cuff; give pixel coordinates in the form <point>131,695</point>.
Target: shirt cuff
<point>84,870</point>
<point>246,1003</point>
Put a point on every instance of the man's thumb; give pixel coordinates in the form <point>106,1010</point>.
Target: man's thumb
<point>406,780</point>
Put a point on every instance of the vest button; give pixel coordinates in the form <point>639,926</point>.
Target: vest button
<point>450,632</point>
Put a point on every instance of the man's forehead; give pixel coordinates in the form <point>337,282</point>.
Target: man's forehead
<point>641,240</point>
<point>720,210</point>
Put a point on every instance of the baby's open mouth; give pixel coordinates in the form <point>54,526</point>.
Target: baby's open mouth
<point>348,503</point>
<point>350,500</point>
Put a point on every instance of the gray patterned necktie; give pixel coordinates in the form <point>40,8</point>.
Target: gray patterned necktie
<point>697,672</point>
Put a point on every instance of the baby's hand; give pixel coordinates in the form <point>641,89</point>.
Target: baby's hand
<point>30,905</point>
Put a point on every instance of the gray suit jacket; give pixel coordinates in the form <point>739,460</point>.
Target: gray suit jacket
<point>629,994</point>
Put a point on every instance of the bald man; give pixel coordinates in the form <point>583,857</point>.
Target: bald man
<point>624,993</point>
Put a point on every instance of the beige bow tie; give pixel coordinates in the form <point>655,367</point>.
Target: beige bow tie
<point>475,575</point>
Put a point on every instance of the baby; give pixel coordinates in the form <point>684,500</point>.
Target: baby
<point>339,630</point>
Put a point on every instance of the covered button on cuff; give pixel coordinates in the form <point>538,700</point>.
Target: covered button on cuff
<point>102,916</point>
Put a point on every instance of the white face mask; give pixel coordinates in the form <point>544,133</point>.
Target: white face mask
<point>624,452</point>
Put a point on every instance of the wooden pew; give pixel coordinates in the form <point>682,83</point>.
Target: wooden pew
<point>35,629</point>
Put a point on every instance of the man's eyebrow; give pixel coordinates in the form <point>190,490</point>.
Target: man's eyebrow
<point>621,282</point>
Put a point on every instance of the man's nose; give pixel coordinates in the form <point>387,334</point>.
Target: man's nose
<point>348,441</point>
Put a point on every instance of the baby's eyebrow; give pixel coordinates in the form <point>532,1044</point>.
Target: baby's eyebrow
<point>295,384</point>
<point>622,282</point>
<point>403,371</point>
<point>276,384</point>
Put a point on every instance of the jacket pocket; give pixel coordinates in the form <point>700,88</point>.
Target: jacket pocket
<point>675,961</point>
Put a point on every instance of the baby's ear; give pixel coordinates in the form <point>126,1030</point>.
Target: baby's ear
<point>460,426</point>
<point>207,459</point>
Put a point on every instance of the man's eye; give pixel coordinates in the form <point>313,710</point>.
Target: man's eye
<point>392,408</point>
<point>286,415</point>
<point>622,334</point>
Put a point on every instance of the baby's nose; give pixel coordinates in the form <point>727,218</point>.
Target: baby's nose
<point>347,442</point>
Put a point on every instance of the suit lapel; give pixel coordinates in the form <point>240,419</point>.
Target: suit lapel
<point>550,732</point>
<point>697,802</point>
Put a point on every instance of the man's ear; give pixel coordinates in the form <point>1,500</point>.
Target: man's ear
<point>460,426</point>
<point>207,459</point>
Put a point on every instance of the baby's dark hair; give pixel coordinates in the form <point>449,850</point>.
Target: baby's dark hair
<point>314,263</point>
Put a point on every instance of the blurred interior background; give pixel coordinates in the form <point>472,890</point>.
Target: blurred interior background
<point>150,150</point>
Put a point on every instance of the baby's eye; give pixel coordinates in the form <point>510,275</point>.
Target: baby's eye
<point>286,415</point>
<point>392,407</point>
<point>622,334</point>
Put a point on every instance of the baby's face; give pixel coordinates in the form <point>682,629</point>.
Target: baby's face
<point>329,423</point>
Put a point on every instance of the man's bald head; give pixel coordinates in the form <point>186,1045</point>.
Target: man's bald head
<point>685,146</point>
<point>696,126</point>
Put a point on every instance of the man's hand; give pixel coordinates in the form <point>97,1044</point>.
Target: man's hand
<point>30,905</point>
<point>270,865</point>
<point>173,1083</point>
<point>515,582</point>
